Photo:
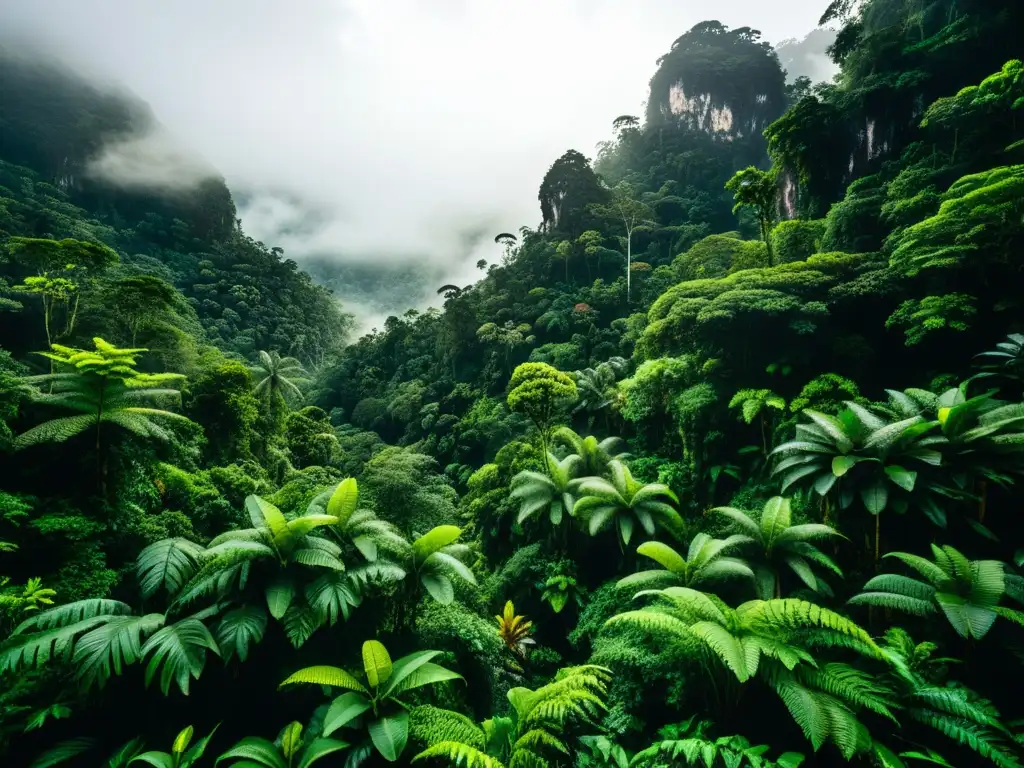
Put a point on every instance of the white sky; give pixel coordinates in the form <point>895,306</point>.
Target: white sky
<point>403,124</point>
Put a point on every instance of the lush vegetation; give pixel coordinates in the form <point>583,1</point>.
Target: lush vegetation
<point>716,466</point>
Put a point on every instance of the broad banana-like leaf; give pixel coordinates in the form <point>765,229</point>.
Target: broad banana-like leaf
<point>405,666</point>
<point>344,500</point>
<point>433,540</point>
<point>664,555</point>
<point>344,710</point>
<point>264,514</point>
<point>376,663</point>
<point>324,675</point>
<point>427,674</point>
<point>390,734</point>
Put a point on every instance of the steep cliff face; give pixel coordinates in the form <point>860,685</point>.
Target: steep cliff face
<point>104,148</point>
<point>718,80</point>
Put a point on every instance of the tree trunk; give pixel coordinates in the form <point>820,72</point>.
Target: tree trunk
<point>629,261</point>
<point>878,537</point>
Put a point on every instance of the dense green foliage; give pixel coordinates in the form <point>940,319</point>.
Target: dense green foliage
<point>717,466</point>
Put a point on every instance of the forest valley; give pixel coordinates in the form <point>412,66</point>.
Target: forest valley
<point>716,466</point>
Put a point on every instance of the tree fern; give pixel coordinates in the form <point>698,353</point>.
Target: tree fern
<point>459,753</point>
<point>103,386</point>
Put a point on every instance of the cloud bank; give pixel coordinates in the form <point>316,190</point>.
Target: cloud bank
<point>370,130</point>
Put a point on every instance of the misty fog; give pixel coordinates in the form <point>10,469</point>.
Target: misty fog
<point>362,130</point>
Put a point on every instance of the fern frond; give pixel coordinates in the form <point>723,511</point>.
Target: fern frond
<point>975,737</point>
<point>433,725</point>
<point>457,753</point>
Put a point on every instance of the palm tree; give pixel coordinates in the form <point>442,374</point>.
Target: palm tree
<point>780,544</point>
<point>278,379</point>
<point>859,453</point>
<point>623,502</point>
<point>772,640</point>
<point>291,748</point>
<point>553,492</point>
<point>533,732</point>
<point>597,386</point>
<point>103,388</point>
<point>595,456</point>
<point>704,564</point>
<point>968,592</point>
<point>373,699</point>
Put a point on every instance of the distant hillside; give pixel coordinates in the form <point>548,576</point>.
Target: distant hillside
<point>77,161</point>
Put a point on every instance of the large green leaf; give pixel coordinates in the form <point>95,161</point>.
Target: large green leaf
<point>178,653</point>
<point>238,629</point>
<point>320,748</point>
<point>842,464</point>
<point>406,665</point>
<point>376,663</point>
<point>664,555</point>
<point>968,619</point>
<point>439,587</point>
<point>291,740</point>
<point>390,734</point>
<point>168,563</point>
<point>904,478</point>
<point>255,751</point>
<point>324,675</point>
<point>109,648</point>
<point>875,497</point>
<point>344,710</point>
<point>427,674</point>
<point>264,514</point>
<point>434,540</point>
<point>344,500</point>
<point>156,759</point>
<point>280,594</point>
